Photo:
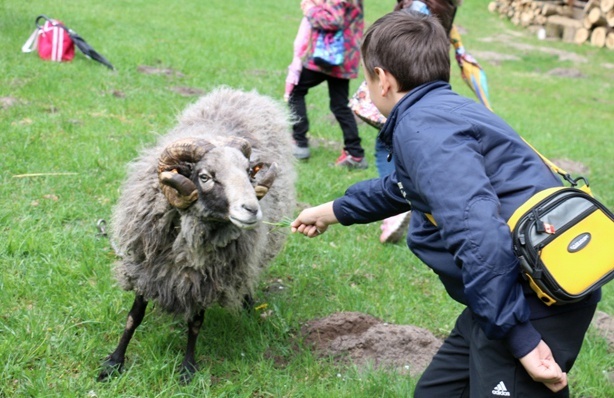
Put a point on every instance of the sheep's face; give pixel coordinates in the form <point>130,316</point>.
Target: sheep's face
<point>225,188</point>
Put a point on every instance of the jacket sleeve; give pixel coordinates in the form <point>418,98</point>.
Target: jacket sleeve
<point>443,156</point>
<point>370,200</point>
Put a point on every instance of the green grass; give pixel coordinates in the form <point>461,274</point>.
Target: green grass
<point>61,312</point>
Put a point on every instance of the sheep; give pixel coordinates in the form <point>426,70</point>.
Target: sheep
<point>188,225</point>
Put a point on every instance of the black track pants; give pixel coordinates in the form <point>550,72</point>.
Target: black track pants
<point>470,365</point>
<point>338,91</point>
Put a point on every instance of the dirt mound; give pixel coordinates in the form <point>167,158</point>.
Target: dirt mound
<point>604,324</point>
<point>354,337</point>
<point>567,72</point>
<point>7,102</point>
<point>365,340</point>
<point>571,166</point>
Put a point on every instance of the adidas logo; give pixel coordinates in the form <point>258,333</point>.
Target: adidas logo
<point>500,390</point>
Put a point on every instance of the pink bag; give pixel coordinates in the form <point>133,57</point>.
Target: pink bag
<point>360,103</point>
<point>51,40</point>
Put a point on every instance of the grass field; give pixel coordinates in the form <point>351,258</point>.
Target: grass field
<point>68,131</point>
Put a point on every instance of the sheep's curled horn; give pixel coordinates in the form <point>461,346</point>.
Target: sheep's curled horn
<point>267,180</point>
<point>174,167</point>
<point>176,160</point>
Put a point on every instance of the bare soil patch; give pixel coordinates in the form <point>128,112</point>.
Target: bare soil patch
<point>363,340</point>
<point>334,145</point>
<point>571,166</point>
<point>604,324</point>
<point>367,341</point>
<point>494,57</point>
<point>188,91</point>
<point>567,72</point>
<point>7,102</point>
<point>154,70</point>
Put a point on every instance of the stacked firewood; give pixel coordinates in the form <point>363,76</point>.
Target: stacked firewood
<point>574,21</point>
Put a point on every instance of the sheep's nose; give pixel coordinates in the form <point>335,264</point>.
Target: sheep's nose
<point>250,208</point>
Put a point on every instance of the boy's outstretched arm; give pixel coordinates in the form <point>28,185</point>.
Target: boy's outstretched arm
<point>314,221</point>
<point>541,366</point>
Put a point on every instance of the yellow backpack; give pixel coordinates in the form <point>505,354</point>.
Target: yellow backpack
<point>564,239</point>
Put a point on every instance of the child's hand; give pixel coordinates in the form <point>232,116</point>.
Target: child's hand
<point>540,365</point>
<point>315,220</point>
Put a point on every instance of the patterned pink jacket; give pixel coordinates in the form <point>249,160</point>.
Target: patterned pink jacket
<point>335,15</point>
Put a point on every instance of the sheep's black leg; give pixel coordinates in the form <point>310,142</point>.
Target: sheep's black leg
<point>114,362</point>
<point>188,366</point>
<point>248,302</point>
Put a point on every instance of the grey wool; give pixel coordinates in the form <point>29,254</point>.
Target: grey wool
<point>209,249</point>
<point>181,259</point>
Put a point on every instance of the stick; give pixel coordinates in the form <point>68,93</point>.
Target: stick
<point>42,175</point>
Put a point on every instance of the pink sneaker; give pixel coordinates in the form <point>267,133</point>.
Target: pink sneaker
<point>351,162</point>
<point>393,228</point>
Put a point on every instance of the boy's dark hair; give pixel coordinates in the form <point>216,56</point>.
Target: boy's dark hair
<point>412,46</point>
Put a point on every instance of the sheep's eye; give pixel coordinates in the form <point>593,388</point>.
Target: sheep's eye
<point>254,170</point>
<point>204,178</point>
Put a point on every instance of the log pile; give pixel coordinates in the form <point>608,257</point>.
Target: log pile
<point>573,21</point>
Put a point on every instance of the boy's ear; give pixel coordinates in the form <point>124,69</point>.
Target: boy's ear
<point>384,81</point>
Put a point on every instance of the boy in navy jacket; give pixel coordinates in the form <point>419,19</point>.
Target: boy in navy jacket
<point>462,171</point>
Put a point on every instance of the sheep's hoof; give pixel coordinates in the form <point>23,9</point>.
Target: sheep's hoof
<point>110,368</point>
<point>187,373</point>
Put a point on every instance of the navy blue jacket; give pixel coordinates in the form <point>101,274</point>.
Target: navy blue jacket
<point>468,168</point>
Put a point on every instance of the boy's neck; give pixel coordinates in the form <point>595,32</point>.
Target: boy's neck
<point>397,96</point>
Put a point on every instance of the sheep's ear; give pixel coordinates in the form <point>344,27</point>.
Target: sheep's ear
<point>268,177</point>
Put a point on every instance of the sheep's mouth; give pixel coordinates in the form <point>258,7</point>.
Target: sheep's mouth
<point>244,224</point>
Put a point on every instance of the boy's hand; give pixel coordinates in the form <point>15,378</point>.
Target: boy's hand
<point>315,220</point>
<point>541,366</point>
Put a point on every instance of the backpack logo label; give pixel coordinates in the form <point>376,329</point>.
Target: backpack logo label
<point>579,242</point>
